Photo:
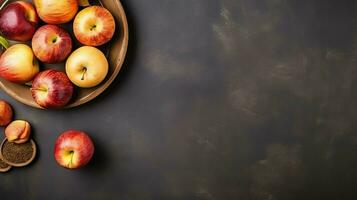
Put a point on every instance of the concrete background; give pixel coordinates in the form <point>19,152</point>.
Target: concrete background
<point>218,99</point>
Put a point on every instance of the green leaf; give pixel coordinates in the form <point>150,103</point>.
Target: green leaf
<point>4,42</point>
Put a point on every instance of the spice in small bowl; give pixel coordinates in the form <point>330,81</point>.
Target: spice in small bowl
<point>4,167</point>
<point>18,155</point>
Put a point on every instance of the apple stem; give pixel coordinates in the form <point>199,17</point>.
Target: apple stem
<point>84,72</point>
<point>93,27</point>
<point>70,162</point>
<point>39,89</point>
<point>3,4</point>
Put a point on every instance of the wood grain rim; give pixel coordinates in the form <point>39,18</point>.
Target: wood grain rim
<point>3,170</point>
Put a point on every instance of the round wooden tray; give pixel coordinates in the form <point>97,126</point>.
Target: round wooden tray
<point>19,164</point>
<point>3,170</point>
<point>115,51</point>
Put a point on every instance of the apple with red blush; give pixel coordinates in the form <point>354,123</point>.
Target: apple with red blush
<point>18,21</point>
<point>51,44</point>
<point>73,149</point>
<point>52,89</point>
<point>18,64</point>
<point>94,26</point>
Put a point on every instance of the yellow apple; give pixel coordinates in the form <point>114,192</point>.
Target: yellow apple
<point>18,64</point>
<point>87,67</point>
<point>56,11</point>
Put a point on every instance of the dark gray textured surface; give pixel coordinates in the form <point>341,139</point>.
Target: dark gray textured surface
<point>218,99</point>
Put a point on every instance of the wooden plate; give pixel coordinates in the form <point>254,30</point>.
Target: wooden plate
<point>115,51</point>
<point>3,170</point>
<point>33,144</point>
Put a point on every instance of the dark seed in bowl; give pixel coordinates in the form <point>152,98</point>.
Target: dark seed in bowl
<point>17,153</point>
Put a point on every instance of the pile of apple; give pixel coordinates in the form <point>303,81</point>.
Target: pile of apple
<point>85,67</point>
<point>73,148</point>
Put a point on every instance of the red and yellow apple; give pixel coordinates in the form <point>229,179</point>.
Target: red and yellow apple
<point>5,113</point>
<point>52,89</point>
<point>56,11</point>
<point>18,64</point>
<point>73,149</point>
<point>51,44</point>
<point>87,67</point>
<point>94,26</point>
<point>18,21</point>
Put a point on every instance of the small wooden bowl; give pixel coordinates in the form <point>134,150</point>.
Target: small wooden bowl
<point>3,170</point>
<point>19,164</point>
<point>115,51</point>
